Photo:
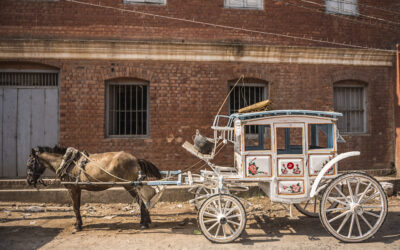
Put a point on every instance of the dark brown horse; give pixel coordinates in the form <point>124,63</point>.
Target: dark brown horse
<point>103,167</point>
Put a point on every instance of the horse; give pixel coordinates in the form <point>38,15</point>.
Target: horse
<point>103,167</point>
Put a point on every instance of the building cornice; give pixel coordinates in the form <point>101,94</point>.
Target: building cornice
<point>203,52</point>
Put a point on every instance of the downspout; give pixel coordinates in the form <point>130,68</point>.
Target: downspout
<point>397,112</point>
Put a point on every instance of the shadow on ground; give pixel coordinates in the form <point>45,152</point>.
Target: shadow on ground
<point>19,237</point>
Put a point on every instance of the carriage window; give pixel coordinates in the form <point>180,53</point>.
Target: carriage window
<point>289,140</point>
<point>127,109</point>
<point>259,141</point>
<point>320,136</point>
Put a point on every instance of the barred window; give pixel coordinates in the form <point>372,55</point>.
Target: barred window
<point>28,79</point>
<point>344,7</point>
<point>244,4</point>
<point>147,1</point>
<point>127,109</point>
<point>350,101</point>
<point>243,96</point>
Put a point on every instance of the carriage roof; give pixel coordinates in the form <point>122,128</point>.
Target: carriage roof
<point>273,113</point>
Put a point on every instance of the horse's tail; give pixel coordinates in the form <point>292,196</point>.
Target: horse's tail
<point>149,169</point>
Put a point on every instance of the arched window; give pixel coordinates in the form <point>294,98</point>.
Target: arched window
<point>349,99</point>
<point>127,108</point>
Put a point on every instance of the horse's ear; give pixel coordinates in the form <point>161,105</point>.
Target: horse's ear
<point>32,151</point>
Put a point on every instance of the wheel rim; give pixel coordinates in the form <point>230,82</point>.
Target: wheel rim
<point>361,209</point>
<point>222,218</point>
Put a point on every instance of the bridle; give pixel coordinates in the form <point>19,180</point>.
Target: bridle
<point>33,165</point>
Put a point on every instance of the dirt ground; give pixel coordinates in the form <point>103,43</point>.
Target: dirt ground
<point>116,226</point>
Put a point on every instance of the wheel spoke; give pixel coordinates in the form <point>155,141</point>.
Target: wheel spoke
<point>373,214</point>
<point>371,206</point>
<point>336,209</point>
<point>338,201</point>
<point>231,210</point>
<point>230,228</point>
<point>305,206</point>
<point>233,222</point>
<point>339,216</point>
<point>351,225</point>
<point>369,198</point>
<point>350,190</point>
<point>315,204</point>
<point>365,220</point>
<point>227,204</point>
<point>210,220</point>
<point>358,225</point>
<point>357,187</point>
<point>223,230</point>
<point>343,222</point>
<point>216,233</point>
<point>365,191</point>
<point>234,216</point>
<point>340,192</point>
<point>209,229</point>
<point>210,214</point>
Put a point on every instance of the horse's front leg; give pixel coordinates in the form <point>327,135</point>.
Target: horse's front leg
<point>75,194</point>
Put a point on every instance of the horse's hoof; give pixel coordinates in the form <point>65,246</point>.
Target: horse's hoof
<point>144,226</point>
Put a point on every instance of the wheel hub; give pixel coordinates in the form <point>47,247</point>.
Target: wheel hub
<point>356,208</point>
<point>223,220</point>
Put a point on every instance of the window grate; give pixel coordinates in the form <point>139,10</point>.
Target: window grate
<point>350,102</point>
<point>127,109</point>
<point>28,79</point>
<point>243,96</point>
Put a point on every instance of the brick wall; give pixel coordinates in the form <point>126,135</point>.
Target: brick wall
<point>185,96</point>
<point>66,20</point>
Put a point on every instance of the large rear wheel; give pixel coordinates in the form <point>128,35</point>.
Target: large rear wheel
<point>361,210</point>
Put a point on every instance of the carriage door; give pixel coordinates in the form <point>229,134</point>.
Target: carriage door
<point>28,116</point>
<point>290,158</point>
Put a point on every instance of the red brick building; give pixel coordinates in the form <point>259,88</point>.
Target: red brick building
<point>142,75</point>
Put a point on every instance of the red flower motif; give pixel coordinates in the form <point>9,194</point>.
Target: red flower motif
<point>253,169</point>
<point>290,165</point>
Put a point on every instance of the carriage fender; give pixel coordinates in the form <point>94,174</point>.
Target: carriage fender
<point>328,166</point>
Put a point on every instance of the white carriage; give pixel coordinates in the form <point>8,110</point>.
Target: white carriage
<point>292,155</point>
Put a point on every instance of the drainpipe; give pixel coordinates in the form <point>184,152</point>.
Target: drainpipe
<point>397,112</point>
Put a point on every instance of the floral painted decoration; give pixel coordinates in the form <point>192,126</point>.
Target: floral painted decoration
<point>294,168</point>
<point>253,168</point>
<point>330,170</point>
<point>294,188</point>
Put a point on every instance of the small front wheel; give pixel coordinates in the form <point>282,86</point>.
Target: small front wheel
<point>222,218</point>
<point>361,210</point>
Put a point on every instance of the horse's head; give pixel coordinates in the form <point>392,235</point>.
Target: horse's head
<point>34,168</point>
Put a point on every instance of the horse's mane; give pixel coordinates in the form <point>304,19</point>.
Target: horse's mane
<point>56,149</point>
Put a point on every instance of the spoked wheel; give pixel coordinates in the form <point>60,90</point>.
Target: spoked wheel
<point>361,210</point>
<point>222,218</point>
<point>310,208</point>
<point>201,194</point>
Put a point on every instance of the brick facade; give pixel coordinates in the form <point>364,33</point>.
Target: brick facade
<point>186,95</point>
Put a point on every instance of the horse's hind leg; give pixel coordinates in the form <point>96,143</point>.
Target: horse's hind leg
<point>75,194</point>
<point>144,212</point>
